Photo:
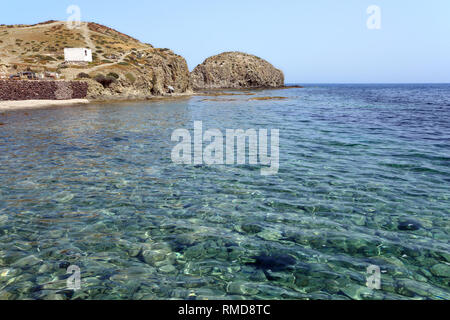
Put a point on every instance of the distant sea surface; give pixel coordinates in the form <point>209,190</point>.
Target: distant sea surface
<point>364,180</point>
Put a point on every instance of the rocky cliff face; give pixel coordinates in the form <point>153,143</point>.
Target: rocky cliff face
<point>149,72</point>
<point>235,70</point>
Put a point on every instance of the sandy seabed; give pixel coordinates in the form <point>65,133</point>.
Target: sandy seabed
<point>34,104</point>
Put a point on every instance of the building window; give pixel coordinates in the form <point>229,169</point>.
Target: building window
<point>85,53</point>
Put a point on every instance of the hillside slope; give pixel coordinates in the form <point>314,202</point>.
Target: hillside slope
<point>141,70</point>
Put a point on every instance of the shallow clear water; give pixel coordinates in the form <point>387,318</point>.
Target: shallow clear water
<point>95,187</point>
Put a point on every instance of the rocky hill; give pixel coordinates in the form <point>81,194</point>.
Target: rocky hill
<point>122,66</point>
<point>236,70</point>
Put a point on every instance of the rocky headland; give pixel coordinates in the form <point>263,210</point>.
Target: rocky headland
<point>123,68</point>
<point>236,70</point>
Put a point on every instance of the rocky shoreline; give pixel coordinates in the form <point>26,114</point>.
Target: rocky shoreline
<point>122,67</point>
<point>38,104</point>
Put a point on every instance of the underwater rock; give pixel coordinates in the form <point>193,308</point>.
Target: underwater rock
<point>194,251</point>
<point>27,262</point>
<point>241,288</point>
<point>270,235</point>
<point>274,262</point>
<point>359,220</point>
<point>179,293</point>
<point>445,256</point>
<point>357,292</point>
<point>251,228</point>
<point>208,294</point>
<point>80,295</point>
<point>7,273</point>
<point>441,270</point>
<point>131,248</point>
<point>180,243</point>
<point>134,251</point>
<point>235,252</point>
<point>409,225</point>
<point>332,286</point>
<point>280,277</point>
<point>422,289</point>
<point>258,276</point>
<point>153,256</point>
<point>309,284</point>
<point>388,284</point>
<point>168,269</point>
<point>54,297</point>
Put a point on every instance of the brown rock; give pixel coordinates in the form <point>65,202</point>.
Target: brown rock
<point>236,70</point>
<point>95,89</point>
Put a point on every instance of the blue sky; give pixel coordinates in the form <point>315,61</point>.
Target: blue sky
<point>314,41</point>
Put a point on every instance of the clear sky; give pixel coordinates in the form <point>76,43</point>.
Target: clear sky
<point>314,41</point>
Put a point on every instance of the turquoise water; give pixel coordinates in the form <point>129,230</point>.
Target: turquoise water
<point>364,180</point>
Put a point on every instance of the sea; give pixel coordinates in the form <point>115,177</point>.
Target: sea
<point>92,205</point>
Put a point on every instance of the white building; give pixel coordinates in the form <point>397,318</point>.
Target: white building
<point>77,55</point>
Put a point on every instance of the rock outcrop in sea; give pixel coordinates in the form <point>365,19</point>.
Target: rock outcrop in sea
<point>235,70</point>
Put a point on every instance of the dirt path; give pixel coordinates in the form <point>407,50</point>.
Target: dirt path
<point>87,36</point>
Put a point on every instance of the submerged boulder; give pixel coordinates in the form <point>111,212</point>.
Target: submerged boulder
<point>273,262</point>
<point>234,70</point>
<point>409,225</point>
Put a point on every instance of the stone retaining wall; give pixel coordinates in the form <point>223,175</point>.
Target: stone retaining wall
<point>42,90</point>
